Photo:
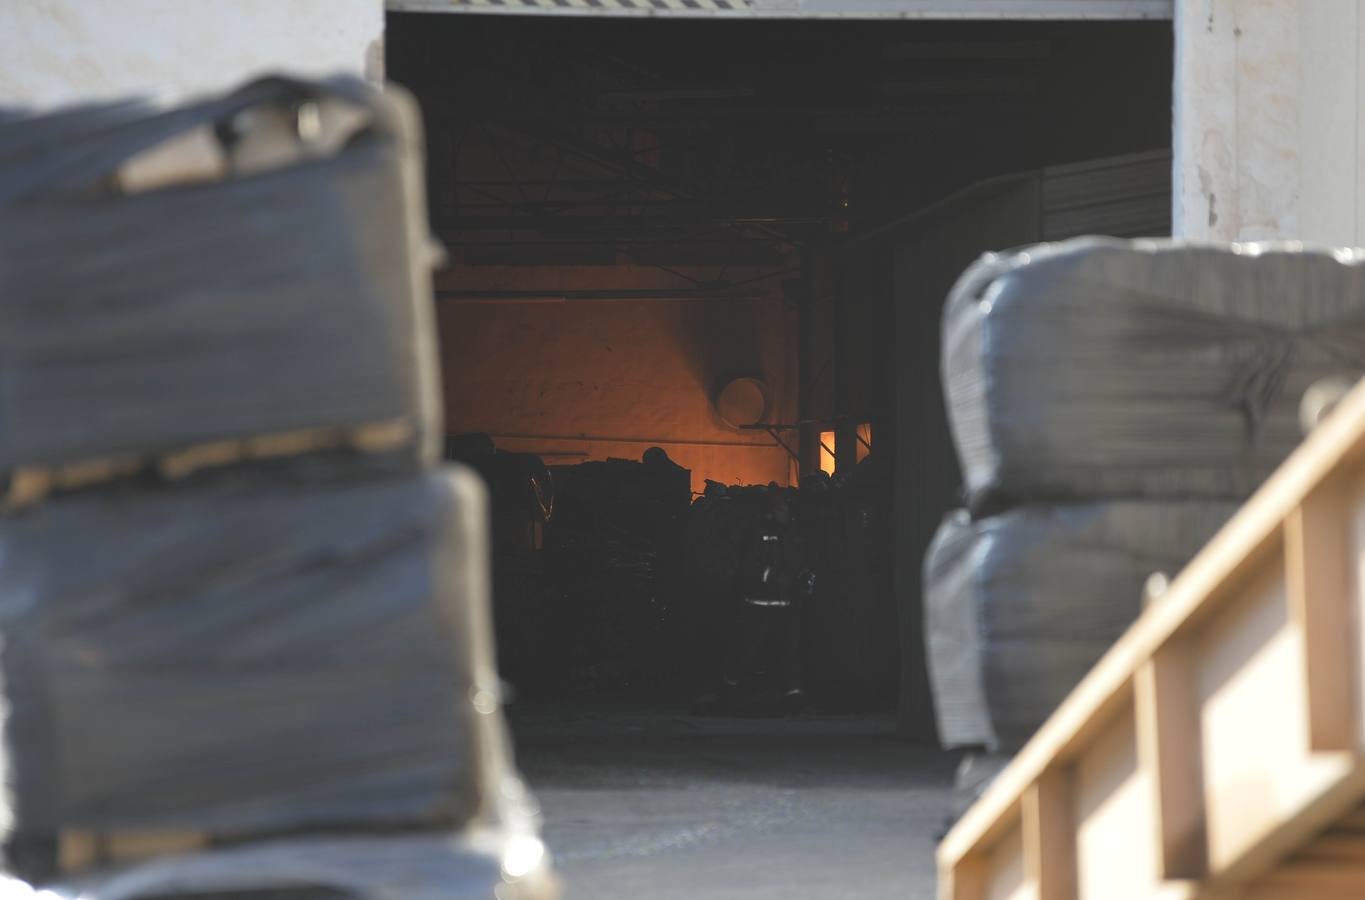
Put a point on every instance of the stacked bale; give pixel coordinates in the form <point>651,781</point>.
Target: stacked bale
<point>521,503</point>
<point>850,624</point>
<point>204,321</point>
<point>1022,603</point>
<point>239,602</point>
<point>614,552</point>
<point>836,551</point>
<point>720,524</point>
<point>1111,403</point>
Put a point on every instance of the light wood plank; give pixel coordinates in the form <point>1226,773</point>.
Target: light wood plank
<point>1170,749</point>
<point>1320,587</point>
<point>79,850</point>
<point>966,880</point>
<point>1297,828</point>
<point>1335,846</point>
<point>1005,877</point>
<point>1114,815</point>
<point>1050,836</point>
<point>1352,821</point>
<point>1258,769</point>
<point>1318,880</point>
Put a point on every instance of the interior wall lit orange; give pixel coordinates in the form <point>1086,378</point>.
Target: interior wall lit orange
<point>827,464</point>
<point>575,381</point>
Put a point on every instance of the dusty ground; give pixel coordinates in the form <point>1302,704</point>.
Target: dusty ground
<point>652,806</point>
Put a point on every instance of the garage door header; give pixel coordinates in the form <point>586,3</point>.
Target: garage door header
<point>801,9</point>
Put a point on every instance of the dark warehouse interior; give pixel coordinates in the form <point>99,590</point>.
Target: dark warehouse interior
<point>727,243</point>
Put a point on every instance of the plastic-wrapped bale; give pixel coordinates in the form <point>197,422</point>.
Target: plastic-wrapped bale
<point>850,637</point>
<point>1102,368</point>
<point>205,275</point>
<point>612,548</point>
<point>475,866</point>
<point>1018,607</point>
<point>239,656</point>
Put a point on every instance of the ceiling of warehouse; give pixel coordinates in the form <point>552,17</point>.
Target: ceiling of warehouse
<point>733,148</point>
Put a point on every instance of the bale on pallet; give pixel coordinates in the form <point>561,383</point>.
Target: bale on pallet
<point>1019,606</point>
<point>1101,368</point>
<point>223,297</point>
<point>238,656</point>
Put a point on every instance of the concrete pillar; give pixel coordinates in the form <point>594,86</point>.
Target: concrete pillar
<point>66,51</point>
<point>1268,120</point>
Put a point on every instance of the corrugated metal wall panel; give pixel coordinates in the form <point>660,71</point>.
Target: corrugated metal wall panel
<point>797,9</point>
<point>1141,217</point>
<point>1123,196</point>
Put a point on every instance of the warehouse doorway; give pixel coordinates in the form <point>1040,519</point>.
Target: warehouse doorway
<point>694,269</point>
<point>691,297</point>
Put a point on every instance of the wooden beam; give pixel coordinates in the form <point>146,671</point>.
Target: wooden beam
<point>1316,881</point>
<point>965,880</point>
<point>1050,836</point>
<point>1170,750</point>
<point>1320,586</point>
<point>1293,833</point>
<point>1334,846</point>
<point>78,850</point>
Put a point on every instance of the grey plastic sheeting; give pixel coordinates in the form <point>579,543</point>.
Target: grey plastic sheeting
<point>1100,368</point>
<point>411,867</point>
<point>1018,607</point>
<point>242,655</point>
<point>274,300</point>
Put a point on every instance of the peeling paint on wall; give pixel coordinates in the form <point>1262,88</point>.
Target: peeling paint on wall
<point>1268,115</point>
<point>374,60</point>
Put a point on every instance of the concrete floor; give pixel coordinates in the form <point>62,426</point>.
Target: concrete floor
<point>653,806</point>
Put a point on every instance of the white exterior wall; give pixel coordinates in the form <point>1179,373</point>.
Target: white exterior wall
<point>1268,120</point>
<point>1268,93</point>
<point>63,51</point>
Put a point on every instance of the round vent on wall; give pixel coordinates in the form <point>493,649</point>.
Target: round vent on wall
<point>743,401</point>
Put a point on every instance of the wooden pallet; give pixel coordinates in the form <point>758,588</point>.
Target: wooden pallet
<point>81,850</point>
<point>1218,749</point>
<point>28,485</point>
